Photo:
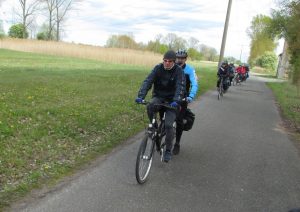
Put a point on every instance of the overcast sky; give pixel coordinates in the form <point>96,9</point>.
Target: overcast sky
<point>95,20</point>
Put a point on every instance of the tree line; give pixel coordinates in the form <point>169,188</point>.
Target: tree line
<point>57,11</point>
<point>161,44</point>
<point>265,31</point>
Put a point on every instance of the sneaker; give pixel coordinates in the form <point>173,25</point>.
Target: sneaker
<point>167,156</point>
<point>176,149</point>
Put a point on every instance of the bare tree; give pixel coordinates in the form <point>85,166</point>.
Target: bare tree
<point>170,40</point>
<point>29,8</point>
<point>159,37</point>
<point>209,53</point>
<point>51,7</point>
<point>57,10</point>
<point>193,43</point>
<point>179,43</point>
<point>62,7</point>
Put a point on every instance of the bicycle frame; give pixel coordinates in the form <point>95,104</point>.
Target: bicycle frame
<point>158,125</point>
<point>153,137</point>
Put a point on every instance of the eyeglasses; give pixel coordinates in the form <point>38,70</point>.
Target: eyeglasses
<point>168,61</point>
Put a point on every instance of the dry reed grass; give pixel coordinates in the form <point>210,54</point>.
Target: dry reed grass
<point>110,55</point>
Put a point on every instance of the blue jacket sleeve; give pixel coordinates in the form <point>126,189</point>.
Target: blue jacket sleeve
<point>190,71</point>
<point>180,85</point>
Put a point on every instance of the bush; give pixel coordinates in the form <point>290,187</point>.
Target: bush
<point>194,54</point>
<point>295,69</point>
<point>41,36</point>
<point>268,60</point>
<point>16,31</point>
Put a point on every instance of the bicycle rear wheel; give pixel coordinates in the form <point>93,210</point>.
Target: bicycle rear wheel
<point>144,159</point>
<point>234,81</point>
<point>220,91</point>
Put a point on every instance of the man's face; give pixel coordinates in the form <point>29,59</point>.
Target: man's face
<point>168,64</point>
<point>181,60</point>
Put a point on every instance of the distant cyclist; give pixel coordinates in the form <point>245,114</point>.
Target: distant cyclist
<point>247,70</point>
<point>168,83</point>
<point>191,91</point>
<point>231,69</point>
<point>223,72</point>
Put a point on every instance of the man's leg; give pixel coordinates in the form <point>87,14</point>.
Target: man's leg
<point>179,128</point>
<point>170,133</point>
<point>151,108</point>
<point>218,82</point>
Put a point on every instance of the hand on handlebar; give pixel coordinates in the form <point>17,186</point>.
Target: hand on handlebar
<point>174,104</point>
<point>189,99</point>
<point>139,100</point>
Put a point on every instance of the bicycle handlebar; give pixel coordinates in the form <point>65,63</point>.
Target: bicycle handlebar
<point>166,105</point>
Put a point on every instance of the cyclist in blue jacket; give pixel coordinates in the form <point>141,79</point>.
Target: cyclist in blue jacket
<point>168,83</point>
<point>190,94</point>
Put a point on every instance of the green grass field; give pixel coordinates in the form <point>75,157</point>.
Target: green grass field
<point>288,99</point>
<point>56,113</point>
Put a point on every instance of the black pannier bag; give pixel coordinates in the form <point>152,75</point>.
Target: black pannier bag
<point>188,120</point>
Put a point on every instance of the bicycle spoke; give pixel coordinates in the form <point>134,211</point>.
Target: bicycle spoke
<point>144,159</point>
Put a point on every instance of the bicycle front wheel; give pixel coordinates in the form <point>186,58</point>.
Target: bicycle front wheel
<point>144,159</point>
<point>221,89</point>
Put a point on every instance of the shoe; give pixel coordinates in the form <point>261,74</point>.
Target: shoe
<point>176,149</point>
<point>167,156</point>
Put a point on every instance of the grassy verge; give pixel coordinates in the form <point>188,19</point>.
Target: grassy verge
<point>263,72</point>
<point>207,75</point>
<point>57,113</point>
<point>288,99</point>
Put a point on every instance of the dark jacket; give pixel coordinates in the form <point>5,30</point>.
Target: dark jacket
<point>223,72</point>
<point>167,84</point>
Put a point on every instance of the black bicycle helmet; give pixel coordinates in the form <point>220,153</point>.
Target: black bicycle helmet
<point>181,53</point>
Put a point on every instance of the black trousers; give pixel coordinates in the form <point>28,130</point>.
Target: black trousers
<point>225,79</point>
<point>169,120</point>
<point>179,121</point>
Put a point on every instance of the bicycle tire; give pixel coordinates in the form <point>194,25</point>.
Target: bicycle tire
<point>144,159</point>
<point>220,91</point>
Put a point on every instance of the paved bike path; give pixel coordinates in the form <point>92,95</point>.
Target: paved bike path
<point>236,158</point>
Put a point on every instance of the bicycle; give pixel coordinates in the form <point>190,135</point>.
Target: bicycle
<point>153,139</point>
<point>236,79</point>
<point>221,89</point>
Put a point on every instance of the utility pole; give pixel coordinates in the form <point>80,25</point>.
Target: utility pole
<point>241,54</point>
<point>225,33</point>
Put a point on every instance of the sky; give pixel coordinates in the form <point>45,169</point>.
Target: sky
<point>94,21</point>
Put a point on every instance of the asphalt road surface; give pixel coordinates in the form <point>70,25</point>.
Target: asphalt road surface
<point>237,157</point>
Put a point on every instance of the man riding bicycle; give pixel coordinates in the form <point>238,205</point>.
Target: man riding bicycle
<point>191,91</point>
<point>168,83</point>
<point>223,72</point>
